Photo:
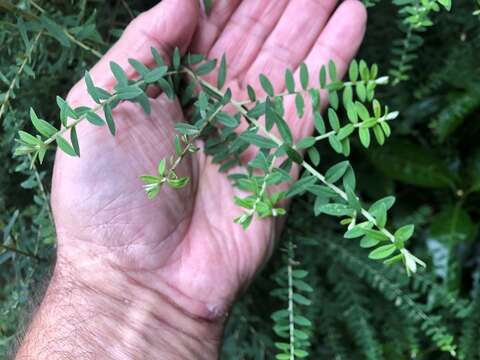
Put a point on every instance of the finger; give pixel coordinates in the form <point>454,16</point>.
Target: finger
<point>168,25</point>
<point>245,33</point>
<point>338,42</point>
<point>210,26</point>
<point>291,40</point>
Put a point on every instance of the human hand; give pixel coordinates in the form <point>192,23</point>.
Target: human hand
<point>184,245</point>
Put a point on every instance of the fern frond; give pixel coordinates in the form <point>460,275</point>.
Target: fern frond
<point>289,323</point>
<point>431,325</point>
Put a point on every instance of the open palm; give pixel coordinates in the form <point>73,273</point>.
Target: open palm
<point>184,243</point>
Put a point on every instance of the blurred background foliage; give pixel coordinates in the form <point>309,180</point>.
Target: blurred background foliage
<point>359,309</point>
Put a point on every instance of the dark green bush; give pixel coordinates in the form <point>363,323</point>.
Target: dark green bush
<point>346,306</point>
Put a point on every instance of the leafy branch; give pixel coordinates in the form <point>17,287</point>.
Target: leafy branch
<point>289,324</point>
<point>15,80</point>
<point>226,143</point>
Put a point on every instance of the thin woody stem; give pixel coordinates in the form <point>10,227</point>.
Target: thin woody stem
<point>18,73</point>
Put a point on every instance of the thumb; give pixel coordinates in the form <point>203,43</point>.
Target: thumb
<point>167,25</point>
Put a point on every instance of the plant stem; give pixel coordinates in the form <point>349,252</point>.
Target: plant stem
<point>27,58</point>
<point>193,138</point>
<point>21,252</point>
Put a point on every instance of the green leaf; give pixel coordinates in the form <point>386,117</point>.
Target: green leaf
<point>107,109</point>
<point>362,111</point>
<point>289,81</point>
<point>266,85</point>
<point>345,132</point>
<point>356,231</point>
<point>251,94</point>
<point>335,143</point>
<point>364,134</point>
<point>336,210</point>
<point>65,111</point>
<point>353,71</point>
<point>368,242</point>
<point>94,119</point>
<point>154,75</point>
<point>347,97</point>
<point>178,183</point>
<point>55,30</point>
<point>314,156</point>
<point>302,285</point>
<point>381,216</point>
<point>258,140</point>
<point>128,92</point>
<point>272,116</point>
<point>227,120</point>
<point>377,130</point>
<point>42,126</point>
<point>141,69</point>
<point>300,299</point>
<point>361,91</point>
<point>300,105</point>
<point>74,140</point>
<point>304,76</point>
<point>301,185</point>
<point>387,202</point>
<point>176,58</point>
<point>376,234</point>
<point>65,146</point>
<point>144,102</point>
<point>404,233</point>
<point>91,88</point>
<point>382,252</point>
<point>293,154</point>
<point>319,123</point>
<point>158,59</point>
<point>336,172</point>
<point>299,274</point>
<point>222,72</point>
<point>332,71</point>
<point>206,68</point>
<point>352,199</point>
<point>333,119</point>
<point>351,112</point>
<point>186,129</point>
<point>306,142</point>
<point>322,77</point>
<point>119,74</point>
<point>167,88</point>
<point>333,100</point>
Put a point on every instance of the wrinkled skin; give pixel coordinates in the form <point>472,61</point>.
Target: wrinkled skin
<point>184,243</point>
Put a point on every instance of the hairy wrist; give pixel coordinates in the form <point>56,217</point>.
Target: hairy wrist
<point>106,313</point>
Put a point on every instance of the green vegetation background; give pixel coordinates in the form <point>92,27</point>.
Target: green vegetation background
<point>360,309</point>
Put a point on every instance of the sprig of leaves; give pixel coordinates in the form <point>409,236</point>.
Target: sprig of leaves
<point>416,18</point>
<point>276,154</point>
